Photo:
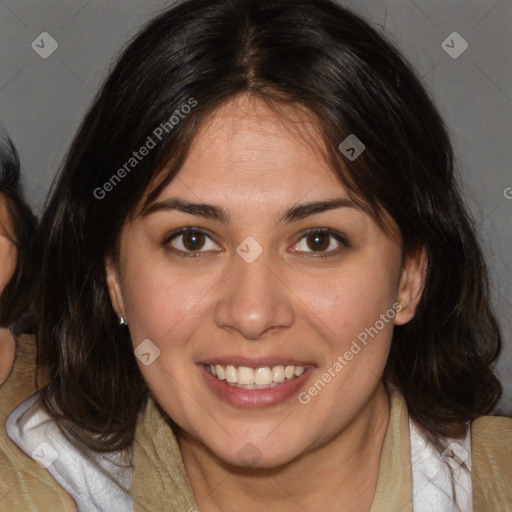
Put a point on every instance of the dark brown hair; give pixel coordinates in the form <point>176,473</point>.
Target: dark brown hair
<point>311,54</point>
<point>16,298</point>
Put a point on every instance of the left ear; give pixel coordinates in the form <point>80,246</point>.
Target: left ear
<point>412,283</point>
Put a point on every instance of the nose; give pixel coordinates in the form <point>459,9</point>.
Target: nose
<point>254,300</point>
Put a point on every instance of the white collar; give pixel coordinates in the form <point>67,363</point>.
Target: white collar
<point>85,479</point>
<point>438,481</point>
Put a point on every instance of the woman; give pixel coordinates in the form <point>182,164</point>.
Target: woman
<point>8,264</point>
<point>260,286</point>
<point>17,257</point>
<point>18,268</point>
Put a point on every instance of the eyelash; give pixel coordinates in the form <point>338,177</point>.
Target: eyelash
<point>314,231</point>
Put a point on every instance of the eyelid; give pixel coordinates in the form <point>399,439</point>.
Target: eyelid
<point>187,229</point>
<point>183,231</point>
<point>339,237</point>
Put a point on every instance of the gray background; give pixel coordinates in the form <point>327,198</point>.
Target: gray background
<point>43,100</point>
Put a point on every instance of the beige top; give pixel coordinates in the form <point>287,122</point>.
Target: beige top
<point>160,482</point>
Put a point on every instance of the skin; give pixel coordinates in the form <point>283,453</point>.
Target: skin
<point>8,252</point>
<point>8,258</point>
<point>288,303</point>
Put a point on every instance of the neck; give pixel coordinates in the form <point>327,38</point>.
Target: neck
<point>339,475</point>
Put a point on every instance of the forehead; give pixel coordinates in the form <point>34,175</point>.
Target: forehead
<point>247,146</point>
<point>244,122</point>
<point>248,153</point>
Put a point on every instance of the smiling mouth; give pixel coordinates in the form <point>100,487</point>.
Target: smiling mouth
<point>255,378</point>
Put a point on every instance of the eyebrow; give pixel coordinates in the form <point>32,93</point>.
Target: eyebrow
<point>217,213</point>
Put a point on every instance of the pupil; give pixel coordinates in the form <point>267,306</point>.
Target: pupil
<point>317,241</point>
<point>192,240</point>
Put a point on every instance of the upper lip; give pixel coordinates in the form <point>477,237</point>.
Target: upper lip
<point>255,362</point>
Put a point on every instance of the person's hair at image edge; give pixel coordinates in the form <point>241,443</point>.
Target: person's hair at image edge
<point>309,54</point>
<point>17,297</point>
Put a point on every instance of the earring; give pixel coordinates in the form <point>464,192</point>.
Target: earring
<point>122,321</point>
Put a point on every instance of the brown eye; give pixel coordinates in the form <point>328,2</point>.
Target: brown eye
<point>321,242</point>
<point>189,240</point>
<point>318,241</point>
<point>193,240</point>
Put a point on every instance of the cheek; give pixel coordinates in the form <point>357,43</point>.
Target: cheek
<point>163,307</point>
<point>350,300</point>
<point>354,315</point>
<point>8,256</point>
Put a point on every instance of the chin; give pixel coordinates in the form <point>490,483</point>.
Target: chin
<point>250,455</point>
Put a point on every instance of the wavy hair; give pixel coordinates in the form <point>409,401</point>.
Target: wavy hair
<point>310,54</point>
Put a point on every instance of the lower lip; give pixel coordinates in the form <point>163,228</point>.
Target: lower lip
<point>254,398</point>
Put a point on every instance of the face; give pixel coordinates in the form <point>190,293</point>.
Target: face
<point>257,292</point>
<point>8,252</point>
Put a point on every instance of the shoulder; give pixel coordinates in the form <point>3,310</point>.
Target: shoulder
<point>24,484</point>
<point>492,436</point>
<point>21,382</point>
<point>492,460</point>
<point>94,481</point>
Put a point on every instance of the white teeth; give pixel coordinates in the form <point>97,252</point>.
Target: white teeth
<point>219,371</point>
<point>231,373</point>
<point>263,376</point>
<point>245,375</point>
<point>278,374</point>
<point>258,378</point>
<point>299,370</point>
